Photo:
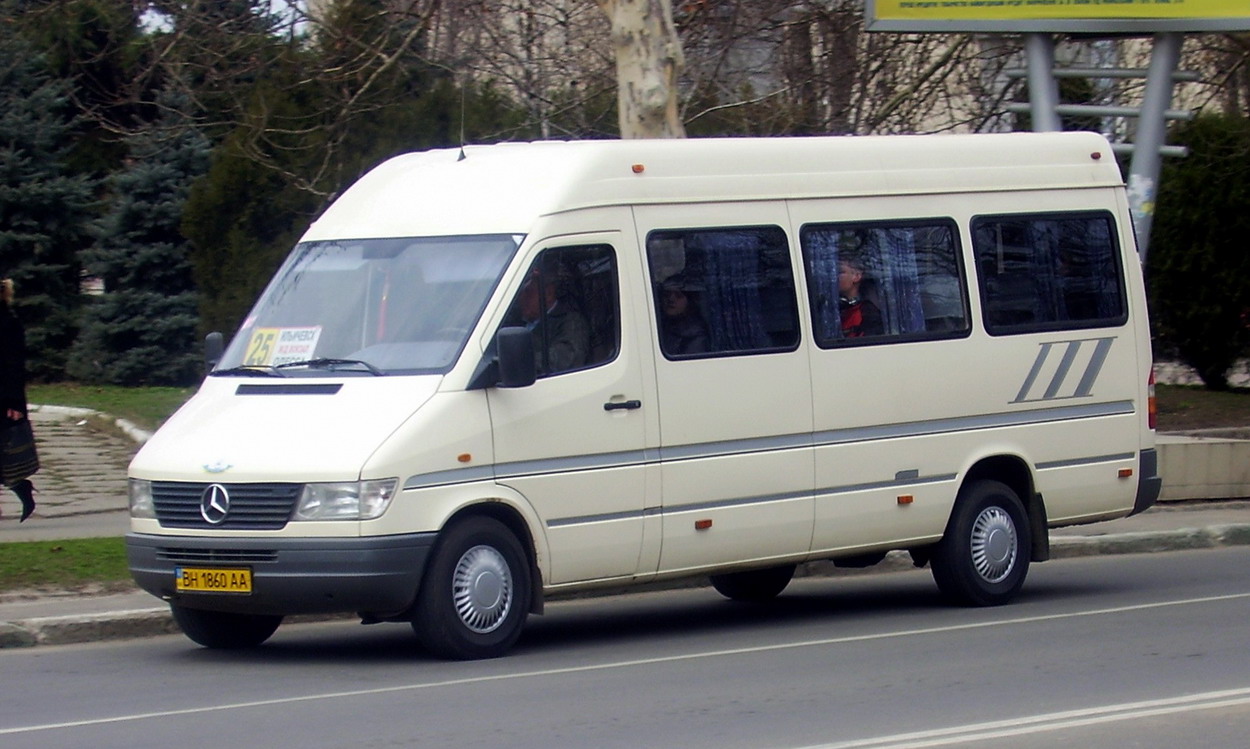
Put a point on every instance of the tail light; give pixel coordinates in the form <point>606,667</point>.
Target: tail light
<point>1152,406</point>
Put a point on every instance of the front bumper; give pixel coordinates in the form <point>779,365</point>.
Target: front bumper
<point>377,574</point>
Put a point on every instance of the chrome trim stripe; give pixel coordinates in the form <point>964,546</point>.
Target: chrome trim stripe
<point>871,485</point>
<point>720,504</point>
<point>736,447</point>
<point>916,480</point>
<point>971,423</point>
<point>675,509</point>
<point>607,517</point>
<point>454,476</point>
<point>1116,458</point>
<point>634,458</point>
<point>591,462</point>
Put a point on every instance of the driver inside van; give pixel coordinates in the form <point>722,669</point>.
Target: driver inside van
<point>561,333</point>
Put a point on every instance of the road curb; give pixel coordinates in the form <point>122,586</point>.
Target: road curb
<point>74,629</point>
<point>129,428</point>
<point>150,622</point>
<point>1146,542</point>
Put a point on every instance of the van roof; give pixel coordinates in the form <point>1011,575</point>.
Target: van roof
<point>503,188</point>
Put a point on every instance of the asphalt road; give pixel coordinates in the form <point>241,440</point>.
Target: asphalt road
<point>1139,650</point>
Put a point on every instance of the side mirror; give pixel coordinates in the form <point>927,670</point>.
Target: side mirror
<point>516,358</point>
<point>214,347</point>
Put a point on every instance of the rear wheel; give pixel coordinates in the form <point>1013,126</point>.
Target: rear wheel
<point>984,556</point>
<point>223,630</point>
<point>754,585</point>
<point>476,592</point>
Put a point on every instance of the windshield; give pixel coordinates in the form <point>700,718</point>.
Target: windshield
<point>368,307</point>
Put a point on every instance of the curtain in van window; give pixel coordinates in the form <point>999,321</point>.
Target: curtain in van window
<point>731,277</point>
<point>821,251</point>
<point>899,281</point>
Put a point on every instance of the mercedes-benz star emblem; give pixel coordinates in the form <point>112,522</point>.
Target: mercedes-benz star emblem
<point>215,504</point>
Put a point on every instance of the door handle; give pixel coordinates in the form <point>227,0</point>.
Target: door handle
<point>626,405</point>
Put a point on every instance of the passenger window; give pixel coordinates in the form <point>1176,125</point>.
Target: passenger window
<point>723,291</point>
<point>878,282</point>
<point>570,300</point>
<point>1049,272</point>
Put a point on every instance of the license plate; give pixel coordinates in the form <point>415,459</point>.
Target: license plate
<point>213,580</point>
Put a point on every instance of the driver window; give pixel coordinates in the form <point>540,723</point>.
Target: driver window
<point>569,299</point>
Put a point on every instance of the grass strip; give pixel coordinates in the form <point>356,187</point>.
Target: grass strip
<point>147,407</point>
<point>62,564</point>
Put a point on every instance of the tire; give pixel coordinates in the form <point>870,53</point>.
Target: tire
<point>754,585</point>
<point>476,593</point>
<point>222,630</point>
<point>984,555</point>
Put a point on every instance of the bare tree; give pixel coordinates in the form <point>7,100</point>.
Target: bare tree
<point>649,61</point>
<point>551,57</point>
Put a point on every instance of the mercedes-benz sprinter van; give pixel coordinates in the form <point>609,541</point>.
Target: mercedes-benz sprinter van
<point>490,375</point>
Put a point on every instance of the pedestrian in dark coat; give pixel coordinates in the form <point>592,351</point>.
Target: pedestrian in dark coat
<point>13,384</point>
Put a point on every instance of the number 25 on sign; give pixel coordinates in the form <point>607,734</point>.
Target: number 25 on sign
<point>260,348</point>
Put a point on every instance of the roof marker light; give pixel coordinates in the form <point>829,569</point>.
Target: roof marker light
<point>638,168</point>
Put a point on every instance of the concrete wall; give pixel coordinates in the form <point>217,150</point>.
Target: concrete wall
<point>1204,467</point>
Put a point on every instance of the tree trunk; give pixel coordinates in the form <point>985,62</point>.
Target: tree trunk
<point>648,62</point>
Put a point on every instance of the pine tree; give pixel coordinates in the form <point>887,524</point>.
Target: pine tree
<point>44,210</point>
<point>1199,271</point>
<point>142,329</point>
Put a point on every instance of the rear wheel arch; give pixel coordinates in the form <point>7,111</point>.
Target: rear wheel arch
<point>1015,472</point>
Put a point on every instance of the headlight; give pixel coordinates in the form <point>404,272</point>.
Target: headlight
<point>348,500</point>
<point>141,505</point>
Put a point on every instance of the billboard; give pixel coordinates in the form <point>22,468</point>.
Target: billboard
<point>1072,16</point>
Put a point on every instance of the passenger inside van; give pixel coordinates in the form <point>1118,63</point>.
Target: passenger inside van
<point>860,316</point>
<point>683,329</point>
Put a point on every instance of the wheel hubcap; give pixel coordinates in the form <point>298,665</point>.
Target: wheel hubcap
<point>481,589</point>
<point>994,544</point>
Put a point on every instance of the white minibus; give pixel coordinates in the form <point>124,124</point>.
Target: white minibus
<point>490,375</point>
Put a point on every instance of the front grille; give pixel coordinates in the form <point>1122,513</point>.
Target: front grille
<point>217,556</point>
<point>252,506</point>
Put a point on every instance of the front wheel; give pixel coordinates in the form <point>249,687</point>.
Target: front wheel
<point>224,630</point>
<point>984,556</point>
<point>476,592</point>
<point>754,585</point>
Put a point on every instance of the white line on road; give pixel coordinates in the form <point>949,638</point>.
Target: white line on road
<point>1050,721</point>
<point>620,664</point>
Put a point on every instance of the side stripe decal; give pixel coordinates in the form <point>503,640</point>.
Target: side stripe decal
<point>634,458</point>
<point>1097,350</point>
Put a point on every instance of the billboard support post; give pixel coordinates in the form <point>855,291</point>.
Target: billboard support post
<point>1043,88</point>
<point>1143,180</point>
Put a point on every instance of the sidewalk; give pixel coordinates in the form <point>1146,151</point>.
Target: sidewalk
<point>83,494</point>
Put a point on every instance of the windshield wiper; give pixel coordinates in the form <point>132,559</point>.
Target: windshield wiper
<point>332,364</point>
<point>251,370</point>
